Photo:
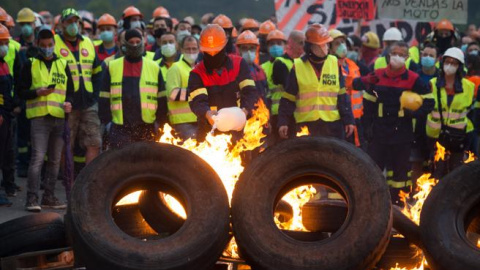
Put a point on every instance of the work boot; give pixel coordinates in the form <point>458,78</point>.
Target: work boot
<point>4,201</point>
<point>50,201</point>
<point>32,204</point>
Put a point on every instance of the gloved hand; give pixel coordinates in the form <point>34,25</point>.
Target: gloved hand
<point>371,78</point>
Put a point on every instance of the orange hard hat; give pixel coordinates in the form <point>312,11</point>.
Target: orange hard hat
<point>87,25</point>
<point>4,33</point>
<point>234,32</point>
<point>3,15</point>
<point>250,24</point>
<point>107,19</point>
<point>56,19</point>
<point>131,11</point>
<point>266,27</point>
<point>44,13</point>
<point>444,25</point>
<point>212,39</point>
<point>276,35</point>
<point>317,34</point>
<point>10,22</point>
<point>247,37</point>
<point>160,12</point>
<point>223,21</point>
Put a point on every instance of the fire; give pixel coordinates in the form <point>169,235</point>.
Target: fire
<point>425,184</point>
<point>296,198</point>
<point>421,267</point>
<point>303,132</point>
<point>471,157</point>
<point>131,198</point>
<point>440,154</point>
<point>478,243</point>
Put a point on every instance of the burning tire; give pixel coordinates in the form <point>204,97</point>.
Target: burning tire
<point>32,233</point>
<point>324,215</point>
<point>406,227</point>
<point>99,242</point>
<point>444,220</point>
<point>399,250</point>
<point>129,219</point>
<point>309,160</point>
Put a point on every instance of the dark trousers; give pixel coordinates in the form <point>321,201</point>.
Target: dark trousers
<point>322,128</point>
<point>7,155</point>
<point>23,143</point>
<point>394,157</point>
<point>358,138</point>
<point>121,136</point>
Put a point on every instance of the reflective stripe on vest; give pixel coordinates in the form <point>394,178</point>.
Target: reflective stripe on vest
<point>86,52</point>
<point>319,96</point>
<point>51,104</point>
<point>275,90</point>
<point>179,112</point>
<point>381,62</point>
<point>148,88</point>
<point>356,96</point>
<point>455,115</point>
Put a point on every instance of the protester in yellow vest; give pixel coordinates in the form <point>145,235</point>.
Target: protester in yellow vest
<point>315,94</point>
<point>46,83</point>
<point>167,54</point>
<point>136,96</point>
<point>454,97</point>
<point>79,52</point>
<point>180,115</point>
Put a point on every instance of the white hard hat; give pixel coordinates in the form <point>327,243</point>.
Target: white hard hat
<point>232,118</point>
<point>456,53</point>
<point>392,34</point>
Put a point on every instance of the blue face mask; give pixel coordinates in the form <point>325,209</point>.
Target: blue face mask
<point>428,61</point>
<point>276,51</point>
<point>474,52</point>
<point>464,48</point>
<point>106,36</point>
<point>27,30</point>
<point>72,29</point>
<point>352,55</point>
<point>46,52</point>
<point>341,50</point>
<point>249,56</point>
<point>150,39</point>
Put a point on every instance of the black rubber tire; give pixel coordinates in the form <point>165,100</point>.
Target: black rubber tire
<point>284,210</point>
<point>406,227</point>
<point>32,233</point>
<point>129,219</point>
<point>399,250</point>
<point>360,241</point>
<point>324,215</point>
<point>148,166</point>
<point>442,221</point>
<point>157,214</point>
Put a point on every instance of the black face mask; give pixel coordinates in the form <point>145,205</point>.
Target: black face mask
<point>263,43</point>
<point>216,61</point>
<point>443,43</point>
<point>133,52</point>
<point>308,51</point>
<point>159,32</point>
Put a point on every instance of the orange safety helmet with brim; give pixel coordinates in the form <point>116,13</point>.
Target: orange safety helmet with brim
<point>276,35</point>
<point>107,20</point>
<point>4,33</point>
<point>317,34</point>
<point>131,11</point>
<point>266,27</point>
<point>161,12</point>
<point>247,37</point>
<point>213,39</point>
<point>3,15</point>
<point>223,21</point>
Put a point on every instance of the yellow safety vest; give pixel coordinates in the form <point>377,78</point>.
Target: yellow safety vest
<point>179,112</point>
<point>41,77</point>
<point>414,54</point>
<point>97,42</point>
<point>13,48</point>
<point>275,90</point>
<point>455,115</point>
<point>86,52</point>
<point>148,90</point>
<point>381,62</point>
<point>317,99</point>
<point>150,55</point>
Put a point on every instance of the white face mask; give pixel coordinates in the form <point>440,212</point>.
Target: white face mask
<point>190,57</point>
<point>182,34</point>
<point>169,49</point>
<point>449,69</point>
<point>397,61</point>
<point>136,24</point>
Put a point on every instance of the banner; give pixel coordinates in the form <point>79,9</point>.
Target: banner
<point>298,14</point>
<point>424,10</point>
<point>356,9</point>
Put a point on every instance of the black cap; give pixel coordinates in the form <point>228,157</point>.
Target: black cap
<point>132,33</point>
<point>44,32</point>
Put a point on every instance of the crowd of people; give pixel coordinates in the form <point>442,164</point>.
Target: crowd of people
<point>109,83</point>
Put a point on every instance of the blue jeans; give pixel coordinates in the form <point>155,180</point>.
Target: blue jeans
<point>47,139</point>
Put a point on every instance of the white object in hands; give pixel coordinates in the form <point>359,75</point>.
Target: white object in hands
<point>228,119</point>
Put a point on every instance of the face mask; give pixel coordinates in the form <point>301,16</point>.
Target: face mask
<point>135,24</point>
<point>190,57</point>
<point>133,51</point>
<point>428,61</point>
<point>474,52</point>
<point>106,36</point>
<point>216,61</point>
<point>27,30</point>
<point>159,32</point>
<point>313,57</point>
<point>449,69</point>
<point>197,36</point>
<point>352,55</point>
<point>464,48</point>
<point>46,52</point>
<point>249,56</point>
<point>276,51</point>
<point>168,50</point>
<point>150,39</point>
<point>397,61</point>
<point>72,29</point>
<point>3,50</point>
<point>182,34</point>
<point>341,50</point>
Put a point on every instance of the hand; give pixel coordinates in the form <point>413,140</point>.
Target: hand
<point>67,106</point>
<point>43,91</point>
<point>209,115</point>
<point>371,78</point>
<point>17,110</point>
<point>1,120</point>
<point>349,129</point>
<point>283,132</point>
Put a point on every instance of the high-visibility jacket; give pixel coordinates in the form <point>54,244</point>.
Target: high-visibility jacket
<point>83,68</point>
<point>148,90</point>
<point>381,62</point>
<point>51,104</point>
<point>275,90</point>
<point>414,52</point>
<point>350,72</point>
<point>455,115</point>
<point>317,99</point>
<point>13,48</point>
<point>179,112</point>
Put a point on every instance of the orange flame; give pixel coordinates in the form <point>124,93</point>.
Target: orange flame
<point>296,198</point>
<point>471,157</point>
<point>440,154</point>
<point>303,132</point>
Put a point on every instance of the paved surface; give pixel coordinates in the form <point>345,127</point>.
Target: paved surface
<point>18,207</point>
